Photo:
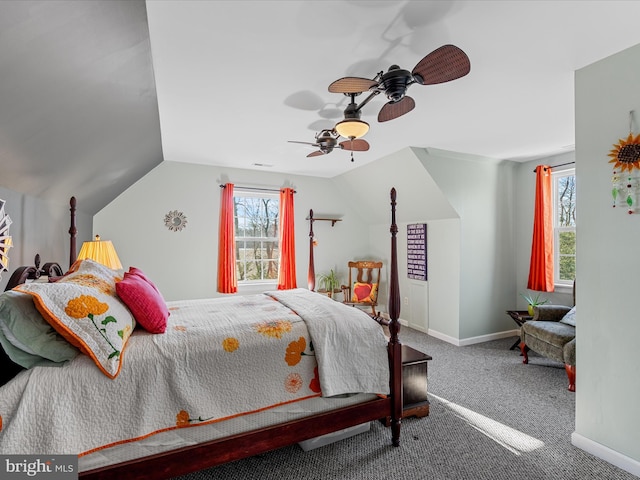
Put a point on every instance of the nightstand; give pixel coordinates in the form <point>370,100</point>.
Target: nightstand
<point>414,384</point>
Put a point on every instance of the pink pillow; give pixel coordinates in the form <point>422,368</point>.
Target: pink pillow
<point>140,273</point>
<point>145,302</point>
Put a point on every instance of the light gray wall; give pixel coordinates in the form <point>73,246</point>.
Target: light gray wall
<point>467,203</point>
<point>480,190</point>
<point>184,264</point>
<point>420,200</point>
<point>607,386</point>
<point>470,205</point>
<point>40,227</point>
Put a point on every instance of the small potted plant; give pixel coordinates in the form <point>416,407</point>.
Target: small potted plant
<point>330,283</point>
<point>533,301</point>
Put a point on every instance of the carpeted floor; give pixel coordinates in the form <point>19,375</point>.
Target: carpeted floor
<point>491,418</point>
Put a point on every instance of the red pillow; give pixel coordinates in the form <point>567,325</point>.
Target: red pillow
<point>145,302</point>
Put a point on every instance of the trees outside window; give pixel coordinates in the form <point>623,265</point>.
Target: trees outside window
<point>564,220</point>
<point>256,230</point>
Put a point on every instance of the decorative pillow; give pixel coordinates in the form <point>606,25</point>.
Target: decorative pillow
<point>26,337</point>
<point>364,292</point>
<point>140,273</point>
<point>145,302</point>
<point>83,307</point>
<point>570,317</point>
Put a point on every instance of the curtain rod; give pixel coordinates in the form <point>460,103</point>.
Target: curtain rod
<point>554,166</point>
<point>259,189</point>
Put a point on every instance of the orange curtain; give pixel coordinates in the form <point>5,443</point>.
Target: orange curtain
<point>287,270</point>
<point>227,278</point>
<point>541,268</point>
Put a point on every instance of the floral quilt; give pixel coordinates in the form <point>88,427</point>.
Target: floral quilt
<point>218,359</point>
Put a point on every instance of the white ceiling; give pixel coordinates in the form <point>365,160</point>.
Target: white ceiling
<point>94,94</point>
<point>237,79</point>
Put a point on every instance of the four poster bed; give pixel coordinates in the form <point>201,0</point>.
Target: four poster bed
<point>171,404</point>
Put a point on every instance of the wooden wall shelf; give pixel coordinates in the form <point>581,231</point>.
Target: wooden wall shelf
<point>324,218</point>
<point>332,220</point>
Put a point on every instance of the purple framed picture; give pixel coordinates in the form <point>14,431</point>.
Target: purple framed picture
<point>417,251</point>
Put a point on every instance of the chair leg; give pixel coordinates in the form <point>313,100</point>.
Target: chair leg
<point>524,349</point>
<point>571,374</point>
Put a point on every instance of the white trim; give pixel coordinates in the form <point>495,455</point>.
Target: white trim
<point>419,328</point>
<point>557,229</point>
<point>605,453</point>
<point>473,340</point>
<point>443,337</point>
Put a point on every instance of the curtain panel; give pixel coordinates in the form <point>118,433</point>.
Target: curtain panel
<point>227,277</point>
<point>541,266</point>
<point>287,242</point>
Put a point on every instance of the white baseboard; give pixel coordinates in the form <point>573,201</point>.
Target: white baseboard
<point>473,340</point>
<point>605,453</point>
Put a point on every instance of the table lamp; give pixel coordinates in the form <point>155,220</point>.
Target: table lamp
<point>101,251</point>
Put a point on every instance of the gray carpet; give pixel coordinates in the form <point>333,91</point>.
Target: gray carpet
<point>491,418</point>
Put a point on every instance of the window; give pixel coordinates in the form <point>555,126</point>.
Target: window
<point>256,228</point>
<point>564,226</point>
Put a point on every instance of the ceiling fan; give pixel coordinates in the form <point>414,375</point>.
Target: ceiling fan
<point>444,64</point>
<point>327,140</point>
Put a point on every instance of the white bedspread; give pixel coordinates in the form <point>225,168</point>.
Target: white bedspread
<point>218,359</point>
<point>351,349</point>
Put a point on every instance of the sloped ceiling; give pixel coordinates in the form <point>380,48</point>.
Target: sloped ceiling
<point>418,194</point>
<point>78,105</point>
<point>235,80</point>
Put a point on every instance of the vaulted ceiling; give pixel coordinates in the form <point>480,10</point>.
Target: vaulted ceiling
<point>94,94</point>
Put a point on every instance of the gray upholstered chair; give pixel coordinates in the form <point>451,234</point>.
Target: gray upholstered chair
<point>551,333</point>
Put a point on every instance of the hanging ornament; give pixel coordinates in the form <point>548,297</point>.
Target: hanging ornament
<point>626,153</point>
<point>630,193</point>
<point>615,180</point>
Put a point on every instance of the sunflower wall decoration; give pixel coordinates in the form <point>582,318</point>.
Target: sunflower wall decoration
<point>625,157</point>
<point>5,239</point>
<point>626,154</point>
<point>175,221</point>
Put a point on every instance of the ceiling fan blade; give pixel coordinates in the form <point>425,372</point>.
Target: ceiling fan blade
<point>393,110</point>
<point>317,153</point>
<point>304,143</point>
<point>355,145</point>
<point>352,85</point>
<point>442,65</point>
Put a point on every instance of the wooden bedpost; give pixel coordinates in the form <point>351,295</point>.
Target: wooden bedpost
<point>395,347</point>
<point>311,275</point>
<point>73,231</point>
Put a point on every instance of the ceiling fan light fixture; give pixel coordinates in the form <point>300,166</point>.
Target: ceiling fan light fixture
<point>352,128</point>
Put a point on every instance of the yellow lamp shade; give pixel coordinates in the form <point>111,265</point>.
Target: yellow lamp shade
<point>101,251</point>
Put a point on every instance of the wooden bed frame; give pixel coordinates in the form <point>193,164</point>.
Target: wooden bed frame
<point>24,273</point>
<point>216,452</point>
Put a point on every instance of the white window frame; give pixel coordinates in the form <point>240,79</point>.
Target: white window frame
<point>556,175</point>
<point>239,192</point>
